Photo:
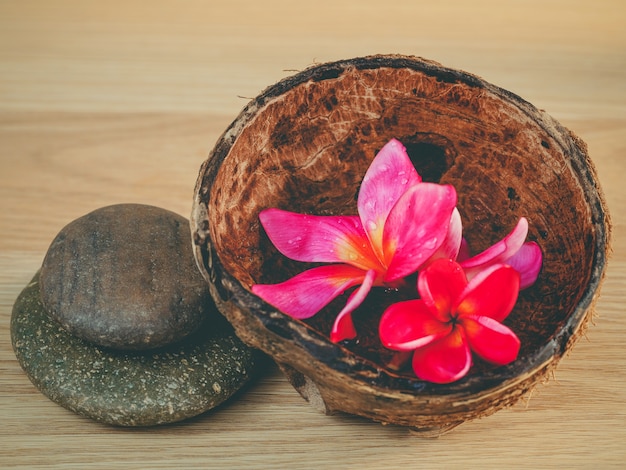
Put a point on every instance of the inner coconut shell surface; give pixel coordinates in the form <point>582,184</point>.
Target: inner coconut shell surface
<point>305,144</point>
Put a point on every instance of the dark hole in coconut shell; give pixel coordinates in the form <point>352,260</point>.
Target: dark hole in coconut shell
<point>429,160</point>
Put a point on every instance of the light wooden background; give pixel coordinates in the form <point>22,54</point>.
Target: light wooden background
<point>121,101</point>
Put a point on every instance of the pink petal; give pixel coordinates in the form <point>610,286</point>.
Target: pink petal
<point>527,261</point>
<point>443,361</point>
<point>491,340</point>
<point>491,293</point>
<point>453,241</point>
<point>343,328</point>
<point>416,227</point>
<point>390,174</point>
<point>323,239</point>
<point>440,286</point>
<point>499,252</point>
<point>408,325</point>
<point>464,252</point>
<point>304,295</point>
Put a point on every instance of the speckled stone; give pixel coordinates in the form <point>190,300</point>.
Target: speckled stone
<point>124,276</point>
<point>126,388</point>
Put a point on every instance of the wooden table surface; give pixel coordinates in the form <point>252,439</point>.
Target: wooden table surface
<point>121,101</point>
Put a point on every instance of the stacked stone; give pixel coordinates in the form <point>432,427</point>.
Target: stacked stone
<point>118,324</point>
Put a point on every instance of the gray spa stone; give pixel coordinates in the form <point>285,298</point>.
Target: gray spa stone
<point>124,277</point>
<point>129,388</point>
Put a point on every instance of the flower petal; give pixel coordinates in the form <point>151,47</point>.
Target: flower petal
<point>440,286</point>
<point>443,361</point>
<point>491,340</point>
<point>464,252</point>
<point>343,328</point>
<point>499,252</point>
<point>323,239</point>
<point>452,243</point>
<point>416,227</point>
<point>527,261</point>
<point>491,293</point>
<point>389,175</point>
<point>408,325</point>
<point>304,295</point>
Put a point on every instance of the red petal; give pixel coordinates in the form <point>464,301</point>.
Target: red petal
<point>343,328</point>
<point>527,261</point>
<point>440,286</point>
<point>304,295</point>
<point>416,227</point>
<point>390,174</point>
<point>326,239</point>
<point>491,340</point>
<point>408,325</point>
<point>491,293</point>
<point>499,252</point>
<point>443,361</point>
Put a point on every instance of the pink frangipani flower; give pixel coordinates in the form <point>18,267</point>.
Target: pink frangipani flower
<point>452,318</point>
<point>525,258</point>
<point>401,224</point>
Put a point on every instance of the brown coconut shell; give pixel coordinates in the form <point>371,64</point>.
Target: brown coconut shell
<point>304,145</point>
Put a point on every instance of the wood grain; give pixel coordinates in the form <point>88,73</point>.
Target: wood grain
<point>103,103</point>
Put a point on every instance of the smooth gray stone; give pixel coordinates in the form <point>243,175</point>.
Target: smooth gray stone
<point>124,276</point>
<point>140,388</point>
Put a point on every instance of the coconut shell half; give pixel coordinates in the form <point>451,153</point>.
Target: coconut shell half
<point>304,145</point>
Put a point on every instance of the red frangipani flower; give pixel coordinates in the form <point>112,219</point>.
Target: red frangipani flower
<point>402,223</point>
<point>454,317</point>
